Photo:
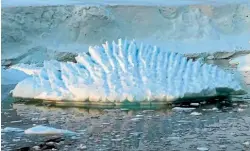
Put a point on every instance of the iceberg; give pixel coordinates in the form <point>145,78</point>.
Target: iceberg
<point>12,76</point>
<point>127,71</point>
<point>43,130</point>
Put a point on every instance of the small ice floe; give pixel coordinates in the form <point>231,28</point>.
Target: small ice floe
<point>212,109</point>
<point>174,138</point>
<point>246,143</point>
<point>40,129</point>
<point>11,129</point>
<point>243,105</point>
<point>194,104</point>
<point>82,146</point>
<point>136,119</point>
<point>181,109</point>
<point>240,110</point>
<point>202,148</point>
<point>139,115</point>
<point>36,148</point>
<point>136,133</point>
<point>19,121</point>
<point>196,113</point>
<point>223,146</point>
<point>105,123</point>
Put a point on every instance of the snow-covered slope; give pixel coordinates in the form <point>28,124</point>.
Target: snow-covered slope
<point>181,26</point>
<point>126,71</point>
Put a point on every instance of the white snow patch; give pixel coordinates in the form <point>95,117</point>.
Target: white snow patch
<point>126,71</point>
<point>40,129</point>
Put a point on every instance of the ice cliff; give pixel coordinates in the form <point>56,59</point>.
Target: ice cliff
<point>37,32</point>
<point>126,71</point>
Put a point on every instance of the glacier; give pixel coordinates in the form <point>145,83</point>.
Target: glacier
<point>127,71</point>
<point>34,31</point>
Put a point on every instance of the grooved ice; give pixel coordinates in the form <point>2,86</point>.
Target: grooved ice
<point>126,71</point>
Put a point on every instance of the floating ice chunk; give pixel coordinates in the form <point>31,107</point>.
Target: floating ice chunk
<point>126,71</point>
<point>40,129</point>
<point>186,109</point>
<point>194,104</point>
<point>202,148</point>
<point>196,113</point>
<point>11,129</point>
<point>246,143</point>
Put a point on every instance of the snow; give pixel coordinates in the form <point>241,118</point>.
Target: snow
<point>185,29</point>
<point>242,62</point>
<point>126,71</point>
<point>42,130</point>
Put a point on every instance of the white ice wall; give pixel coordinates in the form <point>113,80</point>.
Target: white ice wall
<point>182,28</point>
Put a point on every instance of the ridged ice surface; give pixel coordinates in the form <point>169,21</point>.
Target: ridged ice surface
<point>126,71</point>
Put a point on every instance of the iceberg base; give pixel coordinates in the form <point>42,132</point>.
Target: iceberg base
<point>156,104</point>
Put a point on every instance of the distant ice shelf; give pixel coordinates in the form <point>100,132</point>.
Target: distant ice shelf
<point>116,72</point>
